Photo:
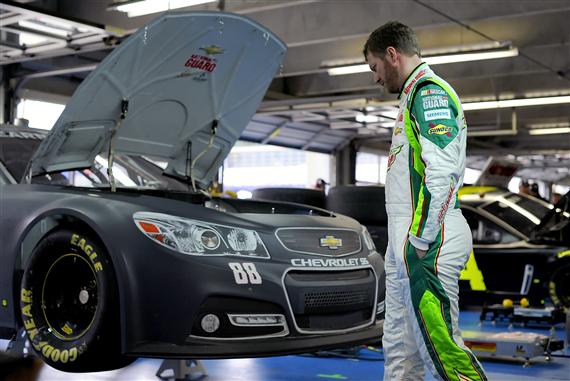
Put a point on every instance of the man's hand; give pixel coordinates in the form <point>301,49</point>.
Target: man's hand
<point>421,253</point>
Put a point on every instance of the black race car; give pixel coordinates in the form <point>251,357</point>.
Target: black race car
<point>110,248</point>
<point>521,247</point>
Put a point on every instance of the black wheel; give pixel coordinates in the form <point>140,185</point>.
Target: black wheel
<point>69,303</point>
<point>355,201</point>
<point>559,285</point>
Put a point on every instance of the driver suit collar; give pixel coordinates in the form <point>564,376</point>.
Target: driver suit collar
<point>411,79</point>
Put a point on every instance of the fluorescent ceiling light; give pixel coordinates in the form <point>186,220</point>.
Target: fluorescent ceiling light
<point>516,103</point>
<point>435,60</point>
<point>549,131</point>
<point>365,118</point>
<point>30,39</point>
<point>145,7</point>
<point>548,125</point>
<point>43,28</point>
<point>56,23</point>
<point>390,114</point>
<point>352,69</point>
<point>467,57</point>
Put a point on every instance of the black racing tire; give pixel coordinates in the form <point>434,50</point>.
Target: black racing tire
<point>363,203</point>
<point>69,303</point>
<point>559,284</point>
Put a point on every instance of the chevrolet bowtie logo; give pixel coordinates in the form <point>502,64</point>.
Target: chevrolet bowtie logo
<point>212,49</point>
<point>331,242</point>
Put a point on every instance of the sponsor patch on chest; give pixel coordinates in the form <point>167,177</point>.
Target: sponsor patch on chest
<point>394,151</point>
<point>435,101</point>
<point>437,114</point>
<point>439,129</point>
<point>432,91</point>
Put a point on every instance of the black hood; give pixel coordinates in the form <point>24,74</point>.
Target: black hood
<point>554,228</point>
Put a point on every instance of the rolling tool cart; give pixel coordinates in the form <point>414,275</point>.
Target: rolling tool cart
<point>544,317</point>
<point>523,345</point>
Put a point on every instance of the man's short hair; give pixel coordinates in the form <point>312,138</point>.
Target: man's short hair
<point>394,34</point>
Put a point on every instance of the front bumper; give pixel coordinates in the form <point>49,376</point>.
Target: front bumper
<point>212,349</point>
<point>169,294</point>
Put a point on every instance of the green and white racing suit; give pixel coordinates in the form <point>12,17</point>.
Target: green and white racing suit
<point>425,171</point>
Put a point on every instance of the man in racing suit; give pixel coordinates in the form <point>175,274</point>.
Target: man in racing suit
<point>429,240</point>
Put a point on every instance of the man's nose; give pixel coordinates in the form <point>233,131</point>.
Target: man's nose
<point>376,78</point>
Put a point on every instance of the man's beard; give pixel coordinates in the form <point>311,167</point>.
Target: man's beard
<point>392,78</point>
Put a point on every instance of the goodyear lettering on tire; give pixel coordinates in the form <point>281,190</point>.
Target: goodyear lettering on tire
<point>553,293</point>
<point>47,350</point>
<point>83,244</point>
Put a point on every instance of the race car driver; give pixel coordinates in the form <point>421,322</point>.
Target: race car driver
<point>429,240</point>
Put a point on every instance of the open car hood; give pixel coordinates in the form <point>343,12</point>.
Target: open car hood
<point>555,225</point>
<point>498,172</point>
<point>181,90</point>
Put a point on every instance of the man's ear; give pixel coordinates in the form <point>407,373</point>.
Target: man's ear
<point>391,55</point>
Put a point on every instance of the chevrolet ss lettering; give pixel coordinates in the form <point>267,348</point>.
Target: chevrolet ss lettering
<point>340,262</point>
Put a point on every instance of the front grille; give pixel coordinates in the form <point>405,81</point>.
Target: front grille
<point>331,300</point>
<point>319,300</point>
<point>333,242</point>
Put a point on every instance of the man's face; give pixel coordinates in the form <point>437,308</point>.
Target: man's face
<point>384,73</point>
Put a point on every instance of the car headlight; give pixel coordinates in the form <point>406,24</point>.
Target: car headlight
<point>195,237</point>
<point>368,239</point>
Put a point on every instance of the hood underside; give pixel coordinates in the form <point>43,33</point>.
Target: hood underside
<point>181,90</point>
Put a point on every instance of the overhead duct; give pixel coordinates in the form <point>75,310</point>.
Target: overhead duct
<point>499,132</point>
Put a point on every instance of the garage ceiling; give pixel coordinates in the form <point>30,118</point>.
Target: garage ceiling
<point>309,109</point>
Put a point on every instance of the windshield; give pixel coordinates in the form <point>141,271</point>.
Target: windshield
<point>129,171</point>
<point>521,212</point>
<point>15,154</point>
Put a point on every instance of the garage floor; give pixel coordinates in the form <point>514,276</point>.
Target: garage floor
<point>289,368</point>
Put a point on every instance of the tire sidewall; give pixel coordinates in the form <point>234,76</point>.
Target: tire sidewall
<point>554,286</point>
<point>79,352</point>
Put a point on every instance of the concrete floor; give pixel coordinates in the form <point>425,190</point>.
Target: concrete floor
<point>369,367</point>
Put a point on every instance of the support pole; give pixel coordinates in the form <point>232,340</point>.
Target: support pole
<point>182,370</point>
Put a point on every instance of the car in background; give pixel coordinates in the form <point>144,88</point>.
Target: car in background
<point>520,247</point>
<point>107,256</point>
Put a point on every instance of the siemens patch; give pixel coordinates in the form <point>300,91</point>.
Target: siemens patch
<point>437,114</point>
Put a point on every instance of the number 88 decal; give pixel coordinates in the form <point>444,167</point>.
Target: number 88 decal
<point>245,273</point>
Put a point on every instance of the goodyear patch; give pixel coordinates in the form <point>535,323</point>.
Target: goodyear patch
<point>435,101</point>
<point>440,129</point>
<point>432,91</point>
<point>437,114</point>
<point>397,131</point>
